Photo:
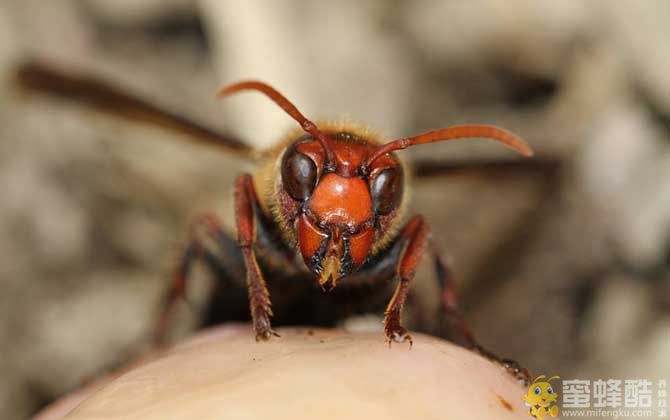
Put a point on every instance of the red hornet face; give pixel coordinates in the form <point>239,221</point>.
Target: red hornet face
<point>337,227</point>
<point>342,191</point>
<point>337,224</point>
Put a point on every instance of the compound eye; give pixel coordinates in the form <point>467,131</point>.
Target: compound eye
<point>298,173</point>
<point>538,391</point>
<point>550,390</point>
<point>386,190</point>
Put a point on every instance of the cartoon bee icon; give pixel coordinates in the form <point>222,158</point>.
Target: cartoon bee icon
<point>541,398</point>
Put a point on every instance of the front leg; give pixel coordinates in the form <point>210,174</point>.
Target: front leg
<point>414,235</point>
<point>246,208</point>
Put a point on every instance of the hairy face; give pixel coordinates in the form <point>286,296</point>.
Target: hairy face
<point>338,204</point>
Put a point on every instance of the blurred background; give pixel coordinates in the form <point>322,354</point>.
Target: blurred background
<point>562,263</point>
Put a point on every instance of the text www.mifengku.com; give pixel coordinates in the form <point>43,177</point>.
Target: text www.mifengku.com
<point>610,413</point>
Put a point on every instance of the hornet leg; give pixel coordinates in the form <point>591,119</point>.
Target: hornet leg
<point>449,306</point>
<point>246,208</point>
<point>206,230</point>
<point>415,235</point>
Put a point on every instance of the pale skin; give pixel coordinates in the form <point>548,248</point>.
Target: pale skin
<point>308,373</point>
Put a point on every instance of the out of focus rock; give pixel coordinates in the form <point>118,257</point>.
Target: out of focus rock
<point>626,166</point>
<point>126,12</point>
<point>317,73</point>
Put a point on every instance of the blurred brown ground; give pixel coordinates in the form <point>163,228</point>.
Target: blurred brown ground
<point>566,268</point>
